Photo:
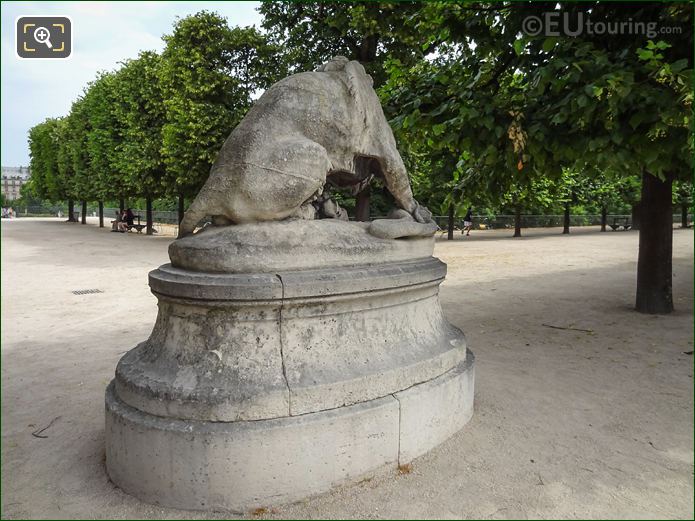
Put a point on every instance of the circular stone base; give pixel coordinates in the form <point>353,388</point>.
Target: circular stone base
<point>241,465</point>
<point>260,388</point>
<point>294,245</point>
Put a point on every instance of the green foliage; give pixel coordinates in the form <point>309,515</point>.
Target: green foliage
<point>371,32</point>
<point>624,100</point>
<point>64,158</point>
<point>514,110</point>
<point>28,198</point>
<point>683,193</point>
<point>493,115</point>
<point>153,128</point>
<point>536,196</point>
<point>76,152</point>
<point>139,115</point>
<point>484,114</point>
<point>46,181</point>
<point>256,61</point>
<point>102,140</point>
<point>205,96</point>
<point>611,190</point>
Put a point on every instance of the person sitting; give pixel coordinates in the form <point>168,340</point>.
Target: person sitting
<point>129,218</point>
<point>116,222</point>
<point>122,222</point>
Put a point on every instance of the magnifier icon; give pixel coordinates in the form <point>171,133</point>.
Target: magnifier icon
<point>42,35</point>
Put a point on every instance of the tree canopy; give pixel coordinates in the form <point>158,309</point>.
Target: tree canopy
<point>207,75</point>
<point>486,112</point>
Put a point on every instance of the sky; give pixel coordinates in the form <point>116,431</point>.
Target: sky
<point>104,33</point>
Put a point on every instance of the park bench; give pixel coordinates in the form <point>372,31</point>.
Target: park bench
<point>139,227</point>
<point>619,222</point>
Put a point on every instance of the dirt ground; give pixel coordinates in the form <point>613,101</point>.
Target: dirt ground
<point>568,423</point>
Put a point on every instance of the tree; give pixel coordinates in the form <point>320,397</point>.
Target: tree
<point>103,139</point>
<point>684,198</point>
<point>77,130</point>
<point>479,132</point>
<point>370,32</point>
<point>611,191</point>
<point>28,198</point>
<point>65,168</point>
<point>46,181</point>
<point>256,61</point>
<point>536,193</point>
<point>82,130</point>
<point>572,188</point>
<point>141,116</point>
<point>617,101</point>
<point>203,100</point>
<point>628,102</point>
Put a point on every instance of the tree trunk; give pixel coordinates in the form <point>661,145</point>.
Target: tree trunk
<point>71,211</point>
<point>636,215</point>
<point>654,274</point>
<point>101,214</point>
<point>121,205</point>
<point>684,214</point>
<point>368,48</point>
<point>148,214</point>
<point>84,212</point>
<point>566,222</point>
<point>517,221</point>
<point>362,204</point>
<point>450,224</point>
<point>604,218</point>
<point>181,208</point>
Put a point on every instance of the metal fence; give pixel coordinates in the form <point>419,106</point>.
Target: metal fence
<point>159,216</point>
<point>40,211</point>
<point>496,222</point>
<point>480,222</point>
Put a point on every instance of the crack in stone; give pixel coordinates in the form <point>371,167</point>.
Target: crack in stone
<point>400,410</point>
<point>282,353</point>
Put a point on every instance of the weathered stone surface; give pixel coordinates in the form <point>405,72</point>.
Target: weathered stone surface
<point>292,355</point>
<point>242,465</point>
<point>398,228</point>
<point>208,363</point>
<point>298,133</point>
<point>435,410</point>
<point>361,278</point>
<point>340,349</point>
<point>255,389</point>
<point>184,284</point>
<point>328,338</point>
<point>291,245</point>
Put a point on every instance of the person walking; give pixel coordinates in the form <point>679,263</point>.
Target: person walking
<point>468,222</point>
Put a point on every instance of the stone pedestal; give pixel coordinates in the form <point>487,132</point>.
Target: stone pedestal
<point>262,388</point>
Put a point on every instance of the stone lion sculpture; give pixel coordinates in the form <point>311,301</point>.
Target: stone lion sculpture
<point>307,134</point>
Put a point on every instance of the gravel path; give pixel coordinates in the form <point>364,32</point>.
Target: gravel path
<point>594,420</point>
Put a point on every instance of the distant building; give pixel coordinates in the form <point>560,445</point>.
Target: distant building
<point>13,178</point>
